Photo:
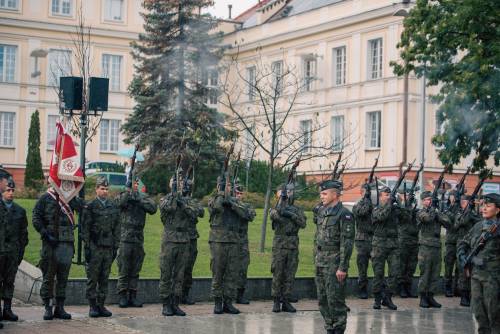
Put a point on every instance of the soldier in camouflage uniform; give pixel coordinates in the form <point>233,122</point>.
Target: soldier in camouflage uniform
<point>101,236</point>
<point>134,206</point>
<point>244,259</point>
<point>408,247</point>
<point>450,257</point>
<point>16,239</point>
<point>54,221</point>
<point>385,248</point>
<point>4,180</point>
<point>362,212</point>
<point>287,219</point>
<point>485,272</point>
<point>225,215</point>
<point>178,211</point>
<point>335,241</point>
<point>463,223</point>
<point>430,221</point>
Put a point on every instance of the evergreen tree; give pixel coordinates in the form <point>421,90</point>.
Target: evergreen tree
<point>170,86</point>
<point>34,174</point>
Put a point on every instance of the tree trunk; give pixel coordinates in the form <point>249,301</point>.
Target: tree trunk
<point>266,206</point>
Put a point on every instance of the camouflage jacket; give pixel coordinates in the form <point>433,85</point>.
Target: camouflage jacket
<point>451,232</point>
<point>385,219</point>
<point>430,221</point>
<point>316,211</point>
<point>16,229</point>
<point>464,222</point>
<point>48,217</point>
<point>134,206</point>
<point>335,237</point>
<point>243,230</point>
<point>286,223</point>
<point>225,217</point>
<point>200,212</point>
<point>177,215</point>
<point>487,261</point>
<point>101,224</point>
<point>408,228</point>
<point>3,223</point>
<point>362,212</point>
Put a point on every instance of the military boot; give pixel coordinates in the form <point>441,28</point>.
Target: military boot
<point>330,331</point>
<point>424,302</point>
<point>276,304</point>
<point>123,300</point>
<point>229,308</point>
<point>1,325</point>
<point>387,302</point>
<point>378,301</point>
<point>293,299</point>
<point>167,309</point>
<point>464,299</point>
<point>448,291</point>
<point>402,291</point>
<point>48,315</point>
<point>103,311</point>
<point>240,299</point>
<point>132,300</point>
<point>186,299</point>
<point>59,311</point>
<point>93,309</point>
<point>176,307</point>
<point>218,308</point>
<point>363,292</point>
<point>287,307</point>
<point>7,311</point>
<point>432,301</point>
<point>410,291</point>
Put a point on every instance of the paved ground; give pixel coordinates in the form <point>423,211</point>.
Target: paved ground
<point>255,318</point>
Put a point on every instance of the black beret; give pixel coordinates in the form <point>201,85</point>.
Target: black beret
<point>11,183</point>
<point>492,198</point>
<point>385,190</point>
<point>4,174</point>
<point>101,181</point>
<point>425,194</point>
<point>331,184</point>
<point>238,188</point>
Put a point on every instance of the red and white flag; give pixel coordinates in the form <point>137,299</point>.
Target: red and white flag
<point>65,174</point>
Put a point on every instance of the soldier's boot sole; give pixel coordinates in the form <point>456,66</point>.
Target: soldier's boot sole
<point>230,309</point>
<point>432,301</point>
<point>8,315</point>
<point>276,305</point>
<point>104,312</point>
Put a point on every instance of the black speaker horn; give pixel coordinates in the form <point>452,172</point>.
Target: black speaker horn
<point>98,94</point>
<point>71,88</point>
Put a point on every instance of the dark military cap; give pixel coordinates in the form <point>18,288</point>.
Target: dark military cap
<point>4,174</point>
<point>238,188</point>
<point>331,184</point>
<point>385,190</point>
<point>101,181</point>
<point>492,198</point>
<point>11,183</point>
<point>425,194</point>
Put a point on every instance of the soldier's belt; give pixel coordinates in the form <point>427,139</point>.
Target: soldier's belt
<point>134,227</point>
<point>328,248</point>
<point>289,234</point>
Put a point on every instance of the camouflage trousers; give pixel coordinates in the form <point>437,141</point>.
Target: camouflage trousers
<point>450,264</point>
<point>408,260</point>
<point>130,258</point>
<point>173,259</point>
<point>363,250</point>
<point>464,282</point>
<point>8,269</point>
<point>243,262</point>
<point>55,264</point>
<point>98,268</point>
<point>331,298</point>
<point>381,255</point>
<point>485,302</point>
<point>284,267</point>
<point>429,262</point>
<point>191,259</point>
<point>224,265</point>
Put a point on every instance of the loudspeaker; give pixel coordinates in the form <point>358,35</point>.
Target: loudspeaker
<point>98,94</point>
<point>71,88</point>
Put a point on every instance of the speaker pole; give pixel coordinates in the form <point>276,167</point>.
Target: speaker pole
<point>83,140</point>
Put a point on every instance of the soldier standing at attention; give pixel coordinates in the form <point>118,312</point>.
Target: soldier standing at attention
<point>335,240</point>
<point>362,212</point>
<point>450,257</point>
<point>134,206</point>
<point>385,248</point>
<point>287,220</point>
<point>224,240</point>
<point>485,271</point>
<point>244,259</point>
<point>177,214</point>
<point>16,239</point>
<point>430,221</point>
<point>53,219</point>
<point>101,236</point>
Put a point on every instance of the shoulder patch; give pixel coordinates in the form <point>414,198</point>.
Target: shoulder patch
<point>348,217</point>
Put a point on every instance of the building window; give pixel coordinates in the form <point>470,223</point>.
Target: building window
<point>210,79</point>
<point>249,142</point>
<point>337,128</point>
<point>306,131</point>
<point>339,65</point>
<point>62,7</point>
<point>277,69</point>
<point>111,68</point>
<point>375,58</point>
<point>9,4</point>
<point>309,69</point>
<point>439,126</point>
<point>59,66</point>
<point>113,10</point>
<point>7,63</point>
<point>373,129</point>
<point>51,131</point>
<point>109,137</point>
<point>7,128</point>
<point>251,82</point>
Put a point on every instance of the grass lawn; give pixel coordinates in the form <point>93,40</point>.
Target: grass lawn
<point>260,263</point>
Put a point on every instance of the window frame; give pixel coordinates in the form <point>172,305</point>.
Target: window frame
<point>3,70</point>
<point>6,8</point>
<point>337,147</point>
<point>68,61</point>
<point>108,142</point>
<point>309,79</point>
<point>306,140</point>
<point>280,84</point>
<point>343,66</point>
<point>60,8</point>
<point>113,20</point>
<point>380,58</point>
<point>106,70</point>
<point>13,129</point>
<point>369,130</point>
<point>251,82</point>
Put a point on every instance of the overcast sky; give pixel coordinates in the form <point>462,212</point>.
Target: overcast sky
<point>239,6</point>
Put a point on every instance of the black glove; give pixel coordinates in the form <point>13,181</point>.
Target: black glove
<point>47,236</point>
<point>226,203</point>
<point>287,214</point>
<point>180,203</point>
<point>87,254</point>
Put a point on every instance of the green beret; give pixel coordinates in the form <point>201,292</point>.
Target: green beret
<point>385,190</point>
<point>492,198</point>
<point>11,183</point>
<point>425,194</point>
<point>101,181</point>
<point>331,184</point>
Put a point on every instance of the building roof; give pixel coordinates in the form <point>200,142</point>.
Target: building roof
<point>243,17</point>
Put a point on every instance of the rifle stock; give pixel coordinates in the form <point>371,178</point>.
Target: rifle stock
<point>132,166</point>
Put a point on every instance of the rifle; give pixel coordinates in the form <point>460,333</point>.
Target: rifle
<point>284,198</point>
<point>226,172</point>
<point>185,181</point>
<point>376,187</point>
<point>132,166</point>
<point>400,179</point>
<point>337,163</point>
<point>175,181</point>
<point>437,186</point>
<point>236,172</point>
<point>370,178</point>
<point>414,186</point>
<point>485,236</point>
<point>470,203</point>
<point>461,186</point>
